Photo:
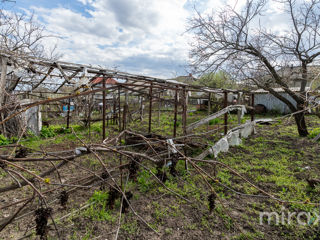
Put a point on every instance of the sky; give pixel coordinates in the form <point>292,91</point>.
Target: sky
<point>138,36</point>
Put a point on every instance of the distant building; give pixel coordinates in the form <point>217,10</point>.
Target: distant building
<point>108,81</point>
<point>271,103</point>
<point>189,79</point>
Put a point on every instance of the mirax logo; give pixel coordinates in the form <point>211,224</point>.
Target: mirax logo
<point>284,218</point>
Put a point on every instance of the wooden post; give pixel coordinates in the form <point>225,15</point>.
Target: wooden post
<point>124,118</point>
<point>209,108</point>
<point>68,113</point>
<point>150,107</point>
<point>239,111</point>
<point>175,113</point>
<point>252,104</point>
<point>119,106</point>
<point>184,122</point>
<point>184,111</point>
<point>114,109</point>
<point>159,109</point>
<point>126,109</point>
<point>141,107</point>
<point>103,109</point>
<point>3,79</point>
<point>226,114</point>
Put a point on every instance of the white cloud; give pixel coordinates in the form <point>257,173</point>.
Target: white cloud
<point>143,36</point>
<point>119,32</point>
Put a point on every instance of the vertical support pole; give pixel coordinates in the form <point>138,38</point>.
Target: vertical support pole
<point>226,114</point>
<point>239,111</point>
<point>114,109</point>
<point>184,111</point>
<point>175,113</point>
<point>68,113</point>
<point>90,107</point>
<point>209,108</point>
<point>159,109</point>
<point>119,106</point>
<point>184,122</point>
<point>150,107</point>
<point>124,118</point>
<point>141,107</point>
<point>252,104</point>
<point>103,109</point>
<point>3,79</point>
<point>126,109</point>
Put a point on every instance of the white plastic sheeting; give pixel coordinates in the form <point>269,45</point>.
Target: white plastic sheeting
<point>221,146</point>
<point>32,117</point>
<point>217,114</point>
<point>233,138</point>
<point>247,130</point>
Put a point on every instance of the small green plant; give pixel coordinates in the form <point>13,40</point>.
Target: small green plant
<point>6,141</point>
<point>214,121</point>
<point>47,132</point>
<point>144,180</point>
<point>97,210</point>
<point>315,132</point>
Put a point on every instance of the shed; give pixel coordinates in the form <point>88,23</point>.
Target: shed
<point>263,97</point>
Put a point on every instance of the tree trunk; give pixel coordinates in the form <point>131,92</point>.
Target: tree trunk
<point>301,124</point>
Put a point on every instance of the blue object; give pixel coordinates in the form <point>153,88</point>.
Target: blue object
<point>65,108</point>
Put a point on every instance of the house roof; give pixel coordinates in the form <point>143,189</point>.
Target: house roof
<point>109,81</point>
<point>185,79</point>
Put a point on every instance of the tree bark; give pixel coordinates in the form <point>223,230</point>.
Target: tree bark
<point>300,121</point>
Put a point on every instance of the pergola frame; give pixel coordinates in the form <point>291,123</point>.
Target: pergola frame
<point>57,74</point>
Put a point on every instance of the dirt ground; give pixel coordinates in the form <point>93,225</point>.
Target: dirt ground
<point>275,160</point>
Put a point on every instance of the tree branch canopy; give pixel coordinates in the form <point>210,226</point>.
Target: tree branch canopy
<point>241,44</point>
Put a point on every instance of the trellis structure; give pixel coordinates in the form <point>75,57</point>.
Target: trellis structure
<point>31,75</point>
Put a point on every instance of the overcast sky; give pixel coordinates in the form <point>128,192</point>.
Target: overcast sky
<point>139,36</point>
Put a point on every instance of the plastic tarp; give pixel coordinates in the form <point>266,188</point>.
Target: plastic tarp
<point>233,138</point>
<point>194,125</point>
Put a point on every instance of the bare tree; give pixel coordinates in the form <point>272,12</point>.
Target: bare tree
<point>21,37</point>
<point>240,42</point>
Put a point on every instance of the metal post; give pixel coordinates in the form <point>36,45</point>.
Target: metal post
<point>159,109</point>
<point>119,106</point>
<point>252,104</point>
<point>3,80</point>
<point>68,113</point>
<point>239,111</point>
<point>184,122</point>
<point>103,109</point>
<point>175,113</point>
<point>114,109</point>
<point>209,108</point>
<point>150,108</point>
<point>184,111</point>
<point>124,118</point>
<point>226,114</point>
